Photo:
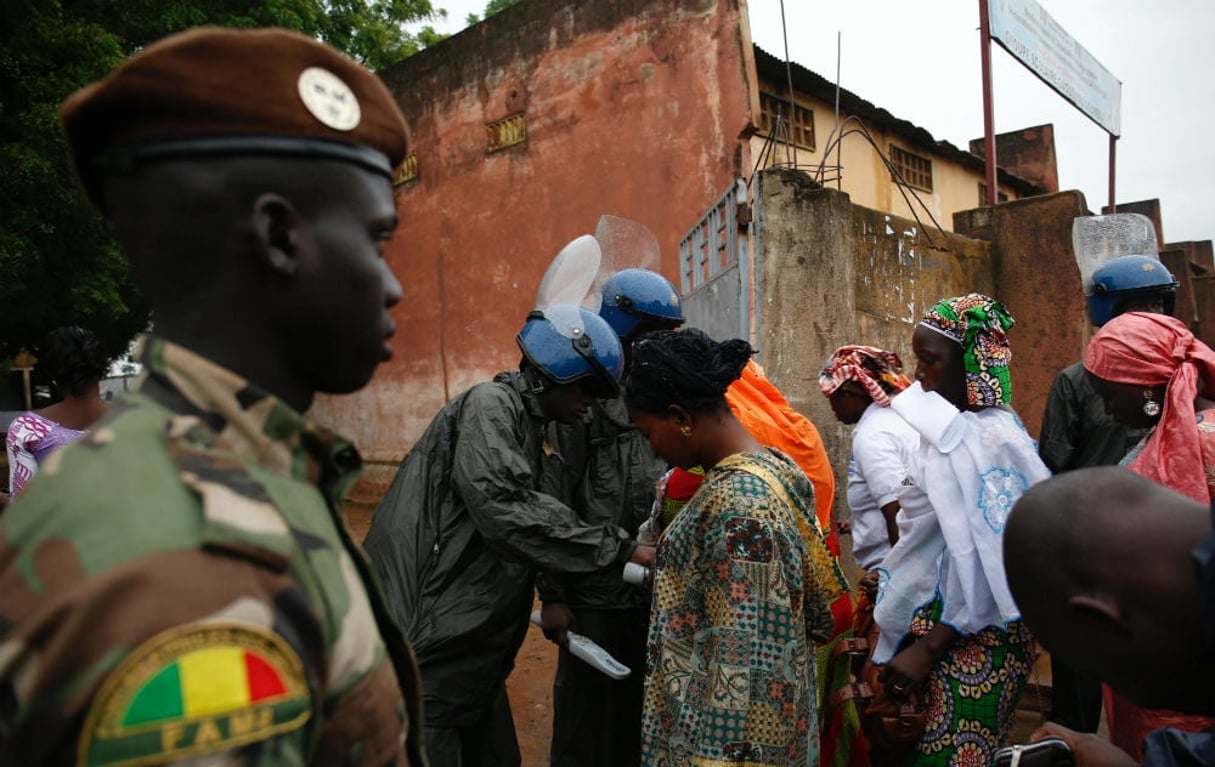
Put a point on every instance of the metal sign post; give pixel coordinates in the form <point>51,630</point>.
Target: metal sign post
<point>989,129</point>
<point>1043,46</point>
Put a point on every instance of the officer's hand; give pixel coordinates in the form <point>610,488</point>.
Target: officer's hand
<point>556,619</point>
<point>1088,749</point>
<point>644,555</point>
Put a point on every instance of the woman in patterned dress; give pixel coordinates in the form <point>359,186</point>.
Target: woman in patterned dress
<point>1153,373</point>
<point>743,580</point>
<point>72,359</point>
<point>950,630</point>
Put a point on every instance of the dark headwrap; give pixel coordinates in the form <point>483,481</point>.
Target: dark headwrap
<point>685,368</point>
<point>879,371</point>
<point>979,325</point>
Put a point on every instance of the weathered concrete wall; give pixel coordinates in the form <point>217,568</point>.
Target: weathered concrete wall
<point>1198,252</point>
<point>1185,306</point>
<point>629,107</point>
<point>1038,280</point>
<point>1192,265</point>
<point>834,273</point>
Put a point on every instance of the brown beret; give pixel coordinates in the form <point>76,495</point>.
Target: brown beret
<point>210,92</point>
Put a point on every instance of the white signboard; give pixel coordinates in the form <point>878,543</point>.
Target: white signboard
<point>1029,33</point>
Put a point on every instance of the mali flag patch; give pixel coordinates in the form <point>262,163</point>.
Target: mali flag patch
<point>196,689</point>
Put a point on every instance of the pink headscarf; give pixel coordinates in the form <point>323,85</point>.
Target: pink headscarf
<point>1144,349</point>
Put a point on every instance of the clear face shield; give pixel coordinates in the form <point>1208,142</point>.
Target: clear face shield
<point>1097,239</point>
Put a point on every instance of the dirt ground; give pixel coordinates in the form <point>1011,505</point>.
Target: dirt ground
<point>531,683</point>
<point>531,697</point>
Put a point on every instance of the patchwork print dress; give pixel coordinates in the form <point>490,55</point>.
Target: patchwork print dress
<point>742,591</point>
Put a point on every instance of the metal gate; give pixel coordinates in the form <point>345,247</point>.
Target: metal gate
<point>716,274</point>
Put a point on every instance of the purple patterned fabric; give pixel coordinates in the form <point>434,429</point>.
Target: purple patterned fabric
<point>30,439</point>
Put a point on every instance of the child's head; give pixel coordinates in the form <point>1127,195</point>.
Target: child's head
<point>1102,564</point>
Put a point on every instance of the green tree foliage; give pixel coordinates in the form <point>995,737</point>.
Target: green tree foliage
<point>58,263</point>
<point>492,7</point>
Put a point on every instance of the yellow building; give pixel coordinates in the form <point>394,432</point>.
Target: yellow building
<point>877,148</point>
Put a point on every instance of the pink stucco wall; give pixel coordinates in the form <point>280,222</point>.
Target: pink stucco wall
<point>632,108</point>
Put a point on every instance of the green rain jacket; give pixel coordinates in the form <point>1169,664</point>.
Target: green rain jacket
<point>459,535</point>
<point>611,470</point>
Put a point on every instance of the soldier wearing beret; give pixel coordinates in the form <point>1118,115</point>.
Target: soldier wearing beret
<point>180,583</point>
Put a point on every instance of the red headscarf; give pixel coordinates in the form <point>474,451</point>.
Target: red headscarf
<point>1144,349</point>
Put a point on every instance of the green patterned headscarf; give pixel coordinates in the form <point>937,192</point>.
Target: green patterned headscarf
<point>979,325</point>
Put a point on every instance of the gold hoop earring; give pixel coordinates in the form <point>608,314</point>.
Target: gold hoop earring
<point>685,430</point>
<point>1150,408</point>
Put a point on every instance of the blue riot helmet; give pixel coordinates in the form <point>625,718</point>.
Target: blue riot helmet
<point>567,343</point>
<point>635,296</point>
<point>1124,279</point>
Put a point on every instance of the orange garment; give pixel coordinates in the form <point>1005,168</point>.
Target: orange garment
<point>760,407</point>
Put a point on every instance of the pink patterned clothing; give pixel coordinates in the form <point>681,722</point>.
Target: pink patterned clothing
<point>31,438</point>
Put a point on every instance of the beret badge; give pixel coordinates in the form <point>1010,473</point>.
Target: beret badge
<point>329,99</point>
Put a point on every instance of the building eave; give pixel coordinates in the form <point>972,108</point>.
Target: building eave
<point>771,68</point>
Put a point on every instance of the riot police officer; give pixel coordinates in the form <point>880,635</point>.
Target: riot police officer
<point>477,505</point>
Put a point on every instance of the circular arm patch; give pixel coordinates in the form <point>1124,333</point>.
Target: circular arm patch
<point>196,689</point>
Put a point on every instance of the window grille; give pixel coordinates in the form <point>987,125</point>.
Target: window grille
<point>797,129</point>
<point>914,169</point>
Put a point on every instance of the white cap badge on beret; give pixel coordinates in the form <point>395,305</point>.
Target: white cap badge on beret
<point>329,99</point>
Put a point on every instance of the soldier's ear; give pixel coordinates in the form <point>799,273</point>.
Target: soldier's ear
<point>276,228</point>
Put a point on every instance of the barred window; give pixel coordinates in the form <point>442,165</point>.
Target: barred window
<point>798,128</point>
<point>915,170</point>
<point>1000,196</point>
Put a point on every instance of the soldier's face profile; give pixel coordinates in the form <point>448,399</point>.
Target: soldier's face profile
<point>343,327</point>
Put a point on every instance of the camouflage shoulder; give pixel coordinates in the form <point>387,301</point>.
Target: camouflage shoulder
<point>116,478</point>
<point>145,480</point>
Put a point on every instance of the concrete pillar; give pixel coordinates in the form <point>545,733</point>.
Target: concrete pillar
<point>1177,261</point>
<point>1038,280</point>
<point>806,275</point>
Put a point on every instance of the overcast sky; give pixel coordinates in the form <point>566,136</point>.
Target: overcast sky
<point>920,61</point>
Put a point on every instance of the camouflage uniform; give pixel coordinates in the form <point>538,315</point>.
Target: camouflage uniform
<point>192,539</point>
